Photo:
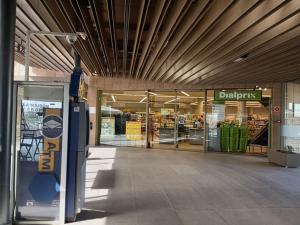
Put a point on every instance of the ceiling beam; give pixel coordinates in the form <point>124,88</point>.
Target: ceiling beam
<point>250,41</point>
<point>225,39</point>
<point>113,38</point>
<point>61,22</point>
<point>37,45</point>
<point>25,23</point>
<point>96,10</point>
<point>185,28</point>
<point>85,23</point>
<point>206,23</point>
<point>213,36</point>
<point>145,4</point>
<point>173,20</point>
<point>125,34</point>
<point>285,41</point>
<point>156,22</point>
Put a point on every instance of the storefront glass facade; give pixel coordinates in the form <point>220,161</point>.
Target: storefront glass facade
<point>187,119</point>
<point>123,118</point>
<point>291,120</point>
<point>238,120</point>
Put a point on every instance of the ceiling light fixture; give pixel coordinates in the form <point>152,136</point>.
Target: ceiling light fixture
<point>143,99</point>
<point>82,35</point>
<point>185,93</point>
<point>241,58</point>
<point>113,98</point>
<point>172,100</point>
<point>152,93</point>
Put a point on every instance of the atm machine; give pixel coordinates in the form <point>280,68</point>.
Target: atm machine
<point>78,147</point>
<point>77,154</point>
<point>39,160</point>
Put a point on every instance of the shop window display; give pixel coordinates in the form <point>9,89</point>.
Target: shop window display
<point>291,123</point>
<point>123,118</point>
<point>236,124</point>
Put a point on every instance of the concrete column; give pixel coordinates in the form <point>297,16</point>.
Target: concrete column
<point>7,38</point>
<point>200,106</point>
<point>276,118</point>
<point>242,113</point>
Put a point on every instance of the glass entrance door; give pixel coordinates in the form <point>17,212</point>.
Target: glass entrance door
<point>162,119</point>
<point>190,121</point>
<point>41,151</point>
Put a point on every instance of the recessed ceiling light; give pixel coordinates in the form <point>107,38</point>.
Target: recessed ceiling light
<point>185,93</point>
<point>172,100</point>
<point>152,93</point>
<point>113,98</point>
<point>143,99</point>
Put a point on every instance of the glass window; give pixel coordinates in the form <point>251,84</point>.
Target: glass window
<point>235,125</point>
<point>291,123</point>
<point>123,118</point>
<point>39,136</point>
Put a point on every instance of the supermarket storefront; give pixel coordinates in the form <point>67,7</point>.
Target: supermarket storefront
<point>192,120</point>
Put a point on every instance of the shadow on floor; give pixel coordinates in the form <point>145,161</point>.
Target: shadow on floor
<point>105,179</point>
<point>89,214</point>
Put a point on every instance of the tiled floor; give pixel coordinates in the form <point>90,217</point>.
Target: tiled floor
<point>159,187</point>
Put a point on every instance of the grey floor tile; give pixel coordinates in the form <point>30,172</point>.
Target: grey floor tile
<point>200,217</point>
<point>129,186</point>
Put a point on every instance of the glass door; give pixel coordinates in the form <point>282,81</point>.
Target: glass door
<point>190,120</point>
<point>162,124</point>
<point>41,152</point>
<point>215,115</point>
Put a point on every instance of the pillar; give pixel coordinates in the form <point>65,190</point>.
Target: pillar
<point>7,38</point>
<point>200,106</point>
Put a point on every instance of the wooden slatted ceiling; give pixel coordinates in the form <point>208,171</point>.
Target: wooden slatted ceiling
<point>189,42</point>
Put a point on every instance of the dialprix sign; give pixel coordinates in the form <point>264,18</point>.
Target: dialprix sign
<point>237,95</point>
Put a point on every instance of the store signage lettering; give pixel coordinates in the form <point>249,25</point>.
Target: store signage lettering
<point>238,95</point>
<point>46,162</point>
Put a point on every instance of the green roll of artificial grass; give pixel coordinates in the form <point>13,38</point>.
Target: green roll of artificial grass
<point>243,138</point>
<point>234,138</point>
<point>224,137</point>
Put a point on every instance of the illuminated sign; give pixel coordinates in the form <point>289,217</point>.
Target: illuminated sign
<point>237,95</point>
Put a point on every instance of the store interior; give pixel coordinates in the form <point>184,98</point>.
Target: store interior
<point>177,119</point>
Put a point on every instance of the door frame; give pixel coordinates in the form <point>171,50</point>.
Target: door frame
<point>64,153</point>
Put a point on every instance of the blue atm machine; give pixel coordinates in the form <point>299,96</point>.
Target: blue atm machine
<point>38,192</point>
<point>78,147</point>
<point>77,154</point>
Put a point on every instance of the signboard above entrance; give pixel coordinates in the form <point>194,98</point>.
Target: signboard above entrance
<point>237,95</point>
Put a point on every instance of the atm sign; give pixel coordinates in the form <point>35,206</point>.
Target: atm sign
<point>52,132</point>
<point>46,162</point>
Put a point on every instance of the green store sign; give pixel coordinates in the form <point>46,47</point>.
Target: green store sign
<point>237,95</point>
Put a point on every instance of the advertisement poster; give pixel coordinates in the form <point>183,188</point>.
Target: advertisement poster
<point>107,126</point>
<point>133,130</point>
